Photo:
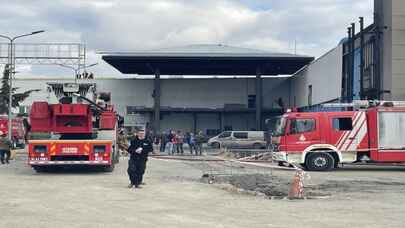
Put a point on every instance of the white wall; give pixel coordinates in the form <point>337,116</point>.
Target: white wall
<point>190,93</point>
<point>202,93</point>
<point>275,89</point>
<point>177,121</point>
<point>240,121</point>
<point>325,76</point>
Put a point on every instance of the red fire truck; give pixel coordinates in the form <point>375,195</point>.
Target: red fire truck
<point>75,131</point>
<point>373,132</point>
<point>18,130</point>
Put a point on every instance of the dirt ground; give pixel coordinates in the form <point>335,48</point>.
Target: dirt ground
<point>175,196</point>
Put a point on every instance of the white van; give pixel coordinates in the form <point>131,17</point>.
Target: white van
<point>239,139</point>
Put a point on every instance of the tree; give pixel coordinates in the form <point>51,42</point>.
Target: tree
<point>5,91</point>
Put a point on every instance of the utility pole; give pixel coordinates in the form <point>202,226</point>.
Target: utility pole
<point>11,64</point>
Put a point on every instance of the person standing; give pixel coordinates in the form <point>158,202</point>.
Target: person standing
<point>163,141</point>
<point>5,146</point>
<point>170,140</point>
<point>139,150</point>
<point>187,138</point>
<point>179,143</point>
<point>192,144</point>
<point>199,140</point>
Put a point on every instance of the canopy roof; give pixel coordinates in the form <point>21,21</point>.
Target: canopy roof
<point>206,60</point>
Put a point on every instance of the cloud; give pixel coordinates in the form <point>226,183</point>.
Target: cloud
<point>125,25</point>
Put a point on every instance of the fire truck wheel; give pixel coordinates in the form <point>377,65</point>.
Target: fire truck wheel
<point>320,162</point>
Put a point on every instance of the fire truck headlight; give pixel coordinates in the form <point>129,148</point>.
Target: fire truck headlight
<point>99,149</point>
<point>40,149</point>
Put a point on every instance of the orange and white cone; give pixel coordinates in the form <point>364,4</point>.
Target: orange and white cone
<point>297,185</point>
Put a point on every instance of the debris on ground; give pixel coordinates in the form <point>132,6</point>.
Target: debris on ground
<point>226,154</point>
<point>267,156</point>
<point>246,155</point>
<point>252,184</point>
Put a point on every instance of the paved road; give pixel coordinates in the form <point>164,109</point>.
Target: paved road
<point>173,197</point>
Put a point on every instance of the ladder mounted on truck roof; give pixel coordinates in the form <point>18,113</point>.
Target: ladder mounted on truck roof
<point>68,89</point>
<point>364,104</point>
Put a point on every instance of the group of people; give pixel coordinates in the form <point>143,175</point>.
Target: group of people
<point>173,142</point>
<point>141,145</point>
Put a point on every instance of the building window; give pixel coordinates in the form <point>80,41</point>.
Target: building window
<point>299,126</point>
<point>240,135</point>
<point>310,95</point>
<point>251,101</point>
<point>343,124</point>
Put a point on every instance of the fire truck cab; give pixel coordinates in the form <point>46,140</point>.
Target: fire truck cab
<point>320,141</point>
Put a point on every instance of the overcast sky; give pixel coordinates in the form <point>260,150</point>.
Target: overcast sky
<point>128,25</point>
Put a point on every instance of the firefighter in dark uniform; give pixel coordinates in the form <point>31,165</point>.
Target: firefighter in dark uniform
<point>139,150</point>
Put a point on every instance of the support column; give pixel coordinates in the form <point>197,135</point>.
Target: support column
<point>156,99</point>
<point>220,120</point>
<point>259,96</point>
<point>352,60</point>
<point>195,123</point>
<point>362,58</point>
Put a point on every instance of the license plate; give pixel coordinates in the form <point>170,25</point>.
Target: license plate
<point>70,150</point>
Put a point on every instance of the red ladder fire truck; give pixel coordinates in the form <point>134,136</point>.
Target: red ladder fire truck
<point>372,132</point>
<point>76,131</point>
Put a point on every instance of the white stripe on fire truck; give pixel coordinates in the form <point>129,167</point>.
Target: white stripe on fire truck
<point>348,134</point>
<point>345,135</point>
<point>360,136</point>
<point>353,136</point>
<point>357,125</point>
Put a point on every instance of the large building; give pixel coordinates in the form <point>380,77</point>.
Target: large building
<point>207,61</point>
<point>199,87</point>
<point>206,104</point>
<point>368,64</point>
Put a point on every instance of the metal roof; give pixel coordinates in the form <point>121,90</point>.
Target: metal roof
<point>206,60</point>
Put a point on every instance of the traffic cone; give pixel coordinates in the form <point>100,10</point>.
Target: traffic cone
<point>297,185</point>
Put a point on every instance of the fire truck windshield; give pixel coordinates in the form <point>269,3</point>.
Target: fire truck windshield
<point>279,127</point>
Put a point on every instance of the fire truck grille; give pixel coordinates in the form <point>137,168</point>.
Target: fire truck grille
<point>70,158</point>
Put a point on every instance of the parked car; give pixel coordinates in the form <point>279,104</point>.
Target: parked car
<point>239,139</point>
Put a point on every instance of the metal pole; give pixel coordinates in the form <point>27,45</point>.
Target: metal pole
<point>259,102</point>
<point>157,101</point>
<point>10,97</point>
<point>11,61</point>
<point>348,64</point>
<point>362,58</point>
<point>353,43</point>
